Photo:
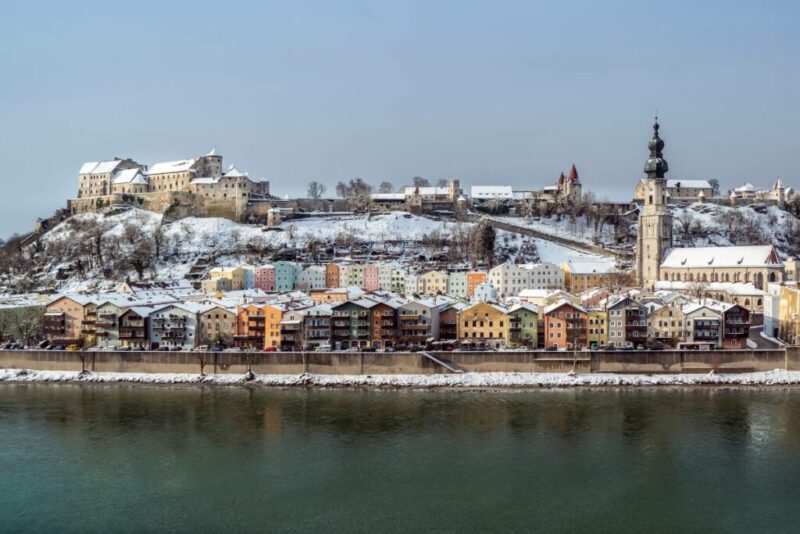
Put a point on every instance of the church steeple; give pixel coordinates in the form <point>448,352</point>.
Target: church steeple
<point>656,166</point>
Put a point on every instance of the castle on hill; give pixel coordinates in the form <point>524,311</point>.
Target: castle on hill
<point>197,186</point>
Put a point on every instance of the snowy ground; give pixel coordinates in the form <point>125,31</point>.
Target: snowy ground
<point>466,380</point>
<point>555,253</point>
<point>578,230</point>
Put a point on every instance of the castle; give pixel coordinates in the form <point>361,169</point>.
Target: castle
<point>656,258</point>
<point>197,186</point>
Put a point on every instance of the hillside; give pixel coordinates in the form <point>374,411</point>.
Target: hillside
<point>95,251</point>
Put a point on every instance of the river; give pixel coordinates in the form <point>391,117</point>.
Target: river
<point>92,458</point>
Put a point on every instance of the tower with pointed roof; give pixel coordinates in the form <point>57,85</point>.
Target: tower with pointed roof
<point>572,185</point>
<point>655,221</point>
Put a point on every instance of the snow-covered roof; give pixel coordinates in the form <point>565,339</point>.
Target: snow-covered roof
<point>707,257</point>
<point>746,188</point>
<point>206,180</point>
<point>491,191</point>
<point>589,267</point>
<point>731,288</point>
<point>183,165</point>
<point>388,196</point>
<point>689,184</point>
<point>427,191</point>
<point>563,302</point>
<point>99,167</point>
<point>551,188</point>
<point>525,306</point>
<point>233,172</point>
<point>129,176</point>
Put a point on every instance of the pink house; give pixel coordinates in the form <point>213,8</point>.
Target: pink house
<point>371,282</point>
<point>265,278</point>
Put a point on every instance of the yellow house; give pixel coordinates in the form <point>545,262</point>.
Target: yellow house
<point>585,275</point>
<point>215,285</point>
<point>234,274</point>
<point>484,322</point>
<point>597,328</point>
<point>789,315</point>
<point>432,283</point>
<point>217,325</point>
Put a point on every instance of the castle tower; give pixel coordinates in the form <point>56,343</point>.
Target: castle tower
<point>655,220</point>
<point>572,190</point>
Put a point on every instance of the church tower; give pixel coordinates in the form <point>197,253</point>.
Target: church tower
<point>655,220</point>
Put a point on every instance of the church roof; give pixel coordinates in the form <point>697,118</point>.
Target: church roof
<point>720,257</point>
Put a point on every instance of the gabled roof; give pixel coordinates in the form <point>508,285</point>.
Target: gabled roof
<point>560,303</point>
<point>233,172</point>
<point>129,176</point>
<point>99,167</point>
<point>524,306</point>
<point>589,267</point>
<point>720,257</point>
<point>183,165</point>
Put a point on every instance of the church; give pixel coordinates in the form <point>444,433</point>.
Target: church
<point>657,259</point>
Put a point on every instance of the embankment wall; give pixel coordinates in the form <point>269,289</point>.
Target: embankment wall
<point>355,363</point>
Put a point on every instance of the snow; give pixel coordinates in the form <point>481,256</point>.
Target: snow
<point>183,165</point>
<point>491,191</point>
<point>99,167</point>
<point>777,377</point>
<point>689,184</point>
<point>129,176</point>
<point>704,257</point>
<point>579,230</point>
<point>550,252</point>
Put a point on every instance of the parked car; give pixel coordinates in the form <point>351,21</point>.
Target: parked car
<point>163,349</point>
<point>126,348</point>
<point>233,349</point>
<point>270,349</point>
<point>176,348</point>
<point>323,348</point>
<point>202,348</point>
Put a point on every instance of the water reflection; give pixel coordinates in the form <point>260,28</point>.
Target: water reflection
<point>240,458</point>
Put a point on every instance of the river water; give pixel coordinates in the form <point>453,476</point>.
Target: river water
<point>91,458</point>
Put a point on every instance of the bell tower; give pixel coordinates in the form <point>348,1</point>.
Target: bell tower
<point>655,220</point>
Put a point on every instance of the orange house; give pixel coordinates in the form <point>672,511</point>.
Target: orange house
<point>474,279</point>
<point>565,325</point>
<point>331,275</point>
<point>272,323</point>
<point>250,329</point>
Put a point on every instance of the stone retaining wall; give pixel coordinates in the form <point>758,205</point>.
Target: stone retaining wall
<point>370,363</point>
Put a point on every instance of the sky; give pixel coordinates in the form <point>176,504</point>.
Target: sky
<point>494,92</point>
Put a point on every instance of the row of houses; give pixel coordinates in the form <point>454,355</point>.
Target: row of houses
<point>505,280</point>
<point>344,318</point>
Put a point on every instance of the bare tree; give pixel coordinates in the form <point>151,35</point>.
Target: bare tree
<point>419,181</point>
<point>316,190</point>
<point>342,190</point>
<point>442,182</point>
<point>386,187</point>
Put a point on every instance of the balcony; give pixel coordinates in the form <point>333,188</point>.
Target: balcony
<point>132,333</point>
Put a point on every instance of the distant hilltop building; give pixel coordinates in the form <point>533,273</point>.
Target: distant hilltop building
<point>656,258</point>
<point>778,193</point>
<point>567,189</point>
<point>419,199</point>
<point>680,191</point>
<point>198,186</point>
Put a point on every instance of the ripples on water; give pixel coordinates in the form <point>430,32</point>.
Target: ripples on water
<point>194,459</point>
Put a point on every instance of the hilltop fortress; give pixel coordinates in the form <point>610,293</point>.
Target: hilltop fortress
<point>196,186</point>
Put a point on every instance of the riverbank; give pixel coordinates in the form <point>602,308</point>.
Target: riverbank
<point>777,377</point>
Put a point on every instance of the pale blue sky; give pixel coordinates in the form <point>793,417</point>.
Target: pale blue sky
<point>491,92</point>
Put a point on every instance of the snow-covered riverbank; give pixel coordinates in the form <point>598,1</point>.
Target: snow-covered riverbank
<point>466,380</point>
